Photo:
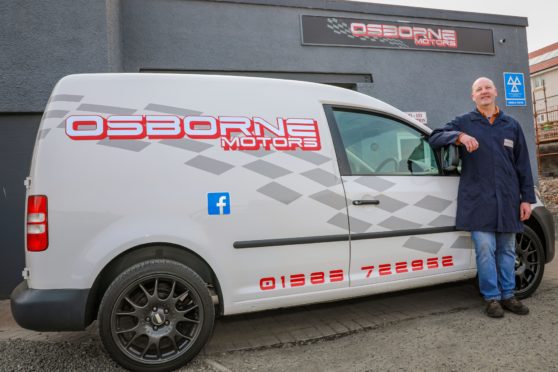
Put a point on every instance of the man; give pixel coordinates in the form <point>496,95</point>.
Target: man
<point>495,192</point>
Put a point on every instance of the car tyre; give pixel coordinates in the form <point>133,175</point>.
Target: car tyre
<point>156,316</point>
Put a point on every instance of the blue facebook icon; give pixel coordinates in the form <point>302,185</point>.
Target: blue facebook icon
<point>218,203</point>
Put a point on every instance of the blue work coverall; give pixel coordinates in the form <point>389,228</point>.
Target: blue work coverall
<point>495,178</point>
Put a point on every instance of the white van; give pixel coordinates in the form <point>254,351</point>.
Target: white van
<point>158,201</point>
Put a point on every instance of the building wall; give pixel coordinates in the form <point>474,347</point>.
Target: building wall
<point>233,36</point>
<point>546,94</point>
<point>44,41</point>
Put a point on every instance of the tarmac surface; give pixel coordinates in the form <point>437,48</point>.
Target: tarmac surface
<point>294,325</point>
<point>440,328</point>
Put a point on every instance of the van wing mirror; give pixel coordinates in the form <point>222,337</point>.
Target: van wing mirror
<point>450,158</point>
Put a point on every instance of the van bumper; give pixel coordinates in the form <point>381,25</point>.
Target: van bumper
<point>50,309</point>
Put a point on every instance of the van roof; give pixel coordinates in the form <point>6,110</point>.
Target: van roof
<point>326,94</point>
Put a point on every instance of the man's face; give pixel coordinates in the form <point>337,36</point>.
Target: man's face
<point>484,92</point>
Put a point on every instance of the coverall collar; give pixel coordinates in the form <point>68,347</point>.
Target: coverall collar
<point>477,116</point>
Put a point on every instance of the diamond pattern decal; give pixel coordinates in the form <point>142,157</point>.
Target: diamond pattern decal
<point>389,204</point>
<point>375,183</point>
<point>105,109</point>
<point>443,220</point>
<point>433,203</point>
<point>310,156</point>
<point>50,114</point>
<point>395,223</point>
<point>43,133</point>
<point>279,192</point>
<point>423,245</point>
<point>358,226</point>
<point>131,145</point>
<point>330,199</point>
<point>267,169</point>
<point>259,153</point>
<point>171,110</point>
<point>66,98</point>
<point>209,165</point>
<point>322,177</point>
<point>187,144</point>
<point>340,220</point>
<point>463,242</point>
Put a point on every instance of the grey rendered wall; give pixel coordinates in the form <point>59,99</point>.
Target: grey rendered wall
<point>42,41</point>
<point>198,35</point>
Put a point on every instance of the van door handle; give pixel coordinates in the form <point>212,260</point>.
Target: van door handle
<point>365,202</point>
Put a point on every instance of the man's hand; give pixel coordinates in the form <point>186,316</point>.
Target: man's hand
<point>524,211</point>
<point>469,142</point>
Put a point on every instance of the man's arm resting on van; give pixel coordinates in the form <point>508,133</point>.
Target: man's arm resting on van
<point>446,135</point>
<point>451,134</point>
<point>470,143</point>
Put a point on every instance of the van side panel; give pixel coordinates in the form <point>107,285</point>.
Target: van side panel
<point>115,189</point>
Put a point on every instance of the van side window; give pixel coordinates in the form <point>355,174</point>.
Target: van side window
<point>376,144</point>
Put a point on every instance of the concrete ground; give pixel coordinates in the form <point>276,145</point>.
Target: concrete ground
<point>440,328</point>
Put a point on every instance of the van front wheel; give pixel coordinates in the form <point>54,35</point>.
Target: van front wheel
<point>529,263</point>
<point>156,315</point>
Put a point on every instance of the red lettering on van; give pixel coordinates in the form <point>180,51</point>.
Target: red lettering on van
<point>236,133</point>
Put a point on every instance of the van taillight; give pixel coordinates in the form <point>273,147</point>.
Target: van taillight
<point>37,223</point>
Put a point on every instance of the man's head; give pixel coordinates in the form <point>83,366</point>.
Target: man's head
<point>484,93</point>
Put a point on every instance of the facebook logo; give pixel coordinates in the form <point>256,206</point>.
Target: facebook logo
<point>218,203</point>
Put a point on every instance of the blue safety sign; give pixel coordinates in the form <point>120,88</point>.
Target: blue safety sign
<point>514,82</point>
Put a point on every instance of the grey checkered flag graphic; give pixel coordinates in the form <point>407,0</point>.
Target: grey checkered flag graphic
<point>342,28</point>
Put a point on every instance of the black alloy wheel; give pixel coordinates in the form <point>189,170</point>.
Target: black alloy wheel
<point>156,316</point>
<point>529,263</point>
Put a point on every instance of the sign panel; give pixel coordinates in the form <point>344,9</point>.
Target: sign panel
<point>419,116</point>
<point>514,83</point>
<point>335,31</point>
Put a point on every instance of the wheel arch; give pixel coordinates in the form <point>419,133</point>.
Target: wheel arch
<point>542,223</point>
<point>146,252</point>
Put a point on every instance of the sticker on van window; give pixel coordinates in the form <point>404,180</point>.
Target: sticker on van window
<point>233,132</point>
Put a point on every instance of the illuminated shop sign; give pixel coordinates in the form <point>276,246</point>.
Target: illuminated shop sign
<point>334,31</point>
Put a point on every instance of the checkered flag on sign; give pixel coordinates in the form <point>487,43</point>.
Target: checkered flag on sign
<point>342,28</point>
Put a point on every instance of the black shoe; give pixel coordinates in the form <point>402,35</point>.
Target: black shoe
<point>494,309</point>
<point>515,306</point>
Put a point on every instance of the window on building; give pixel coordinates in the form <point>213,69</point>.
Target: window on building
<point>538,82</point>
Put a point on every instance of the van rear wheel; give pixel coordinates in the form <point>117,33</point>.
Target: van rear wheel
<point>155,316</point>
